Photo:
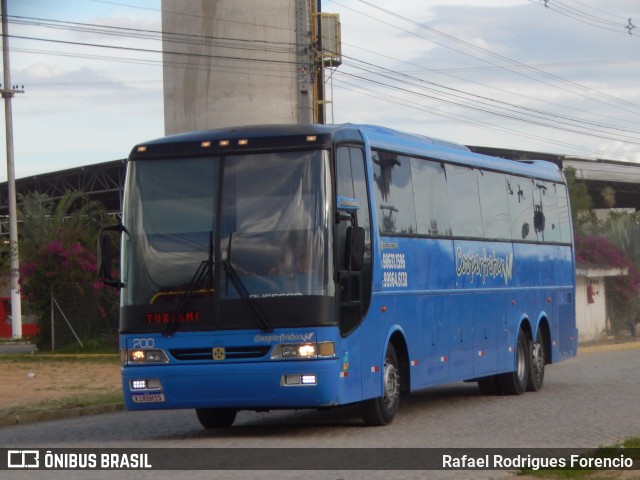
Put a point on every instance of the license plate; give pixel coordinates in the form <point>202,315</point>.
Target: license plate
<point>148,398</point>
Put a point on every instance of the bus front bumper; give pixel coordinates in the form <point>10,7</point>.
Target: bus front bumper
<point>256,385</point>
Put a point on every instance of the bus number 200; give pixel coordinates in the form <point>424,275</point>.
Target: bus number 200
<point>142,343</point>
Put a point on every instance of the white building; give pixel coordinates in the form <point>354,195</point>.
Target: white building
<point>591,312</point>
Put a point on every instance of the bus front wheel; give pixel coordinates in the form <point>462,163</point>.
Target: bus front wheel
<point>216,417</point>
<point>381,410</point>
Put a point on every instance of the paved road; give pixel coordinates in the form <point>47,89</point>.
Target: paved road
<point>587,401</point>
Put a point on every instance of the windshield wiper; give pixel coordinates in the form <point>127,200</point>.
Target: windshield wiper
<point>203,272</point>
<point>232,274</point>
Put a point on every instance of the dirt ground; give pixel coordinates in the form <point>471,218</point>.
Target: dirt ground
<point>26,384</point>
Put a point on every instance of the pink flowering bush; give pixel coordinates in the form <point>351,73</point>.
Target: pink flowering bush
<point>622,291</point>
<point>57,264</point>
<point>57,257</point>
<point>64,271</point>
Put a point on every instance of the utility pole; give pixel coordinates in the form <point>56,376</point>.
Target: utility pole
<point>305,62</point>
<point>7,93</point>
<point>320,114</point>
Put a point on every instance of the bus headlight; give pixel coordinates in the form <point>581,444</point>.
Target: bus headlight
<point>304,350</point>
<point>307,351</point>
<point>137,357</point>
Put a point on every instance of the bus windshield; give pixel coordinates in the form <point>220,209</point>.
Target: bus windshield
<point>269,223</point>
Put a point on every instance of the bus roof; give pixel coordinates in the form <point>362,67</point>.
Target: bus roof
<point>260,137</point>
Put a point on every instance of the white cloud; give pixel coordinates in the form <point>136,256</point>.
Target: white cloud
<point>82,104</point>
<point>574,75</point>
<point>39,71</point>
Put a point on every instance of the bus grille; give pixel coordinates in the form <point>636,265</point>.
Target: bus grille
<point>231,353</point>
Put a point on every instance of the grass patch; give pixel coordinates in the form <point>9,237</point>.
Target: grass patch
<point>91,345</point>
<point>67,403</point>
<point>630,448</point>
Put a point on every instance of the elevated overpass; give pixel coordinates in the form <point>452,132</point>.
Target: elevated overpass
<point>103,182</point>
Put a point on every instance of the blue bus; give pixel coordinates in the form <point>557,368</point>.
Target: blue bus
<point>291,266</point>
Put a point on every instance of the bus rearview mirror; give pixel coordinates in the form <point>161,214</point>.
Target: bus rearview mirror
<point>105,256</point>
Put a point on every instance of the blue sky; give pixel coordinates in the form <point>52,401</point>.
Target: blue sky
<point>499,73</point>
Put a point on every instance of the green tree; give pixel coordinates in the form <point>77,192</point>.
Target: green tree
<point>584,219</point>
<point>623,229</point>
<point>72,218</point>
<point>608,196</point>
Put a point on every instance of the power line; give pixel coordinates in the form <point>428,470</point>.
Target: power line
<point>446,73</point>
<point>386,97</point>
<point>616,26</point>
<point>456,97</point>
<point>148,50</point>
<point>156,35</point>
<point>387,78</point>
<point>509,114</point>
<point>447,90</point>
<point>509,61</point>
<point>266,70</point>
<point>184,14</point>
<point>387,74</point>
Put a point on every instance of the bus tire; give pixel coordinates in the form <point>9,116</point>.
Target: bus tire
<point>515,383</point>
<point>216,417</point>
<point>537,361</point>
<point>380,411</point>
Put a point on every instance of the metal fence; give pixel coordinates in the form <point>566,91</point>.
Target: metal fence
<point>86,317</point>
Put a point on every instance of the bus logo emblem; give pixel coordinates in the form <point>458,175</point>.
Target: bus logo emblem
<point>218,353</point>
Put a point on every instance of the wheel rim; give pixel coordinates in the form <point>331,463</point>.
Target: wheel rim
<point>391,384</point>
<point>521,361</point>
<point>537,359</point>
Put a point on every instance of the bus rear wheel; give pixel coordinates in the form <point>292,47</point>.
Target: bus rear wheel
<point>216,417</point>
<point>536,362</point>
<point>515,383</point>
<point>381,410</point>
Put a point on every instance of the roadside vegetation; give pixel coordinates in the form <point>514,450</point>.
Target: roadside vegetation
<point>612,242</point>
<point>58,281</point>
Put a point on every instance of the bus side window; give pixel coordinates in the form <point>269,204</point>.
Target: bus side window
<point>432,205</point>
<point>545,211</point>
<point>464,202</point>
<point>564,214</point>
<point>549,201</point>
<point>394,193</point>
<point>520,200</point>
<point>493,204</point>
